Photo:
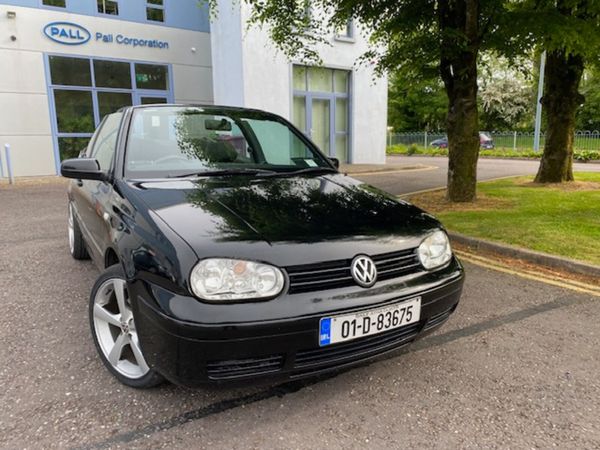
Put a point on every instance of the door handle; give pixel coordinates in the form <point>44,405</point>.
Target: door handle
<point>80,183</point>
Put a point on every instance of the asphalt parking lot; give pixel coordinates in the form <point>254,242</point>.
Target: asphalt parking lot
<point>517,366</point>
<point>434,172</point>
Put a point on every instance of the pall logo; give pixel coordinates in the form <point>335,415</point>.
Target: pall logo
<point>67,33</point>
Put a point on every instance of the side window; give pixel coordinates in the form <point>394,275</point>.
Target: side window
<point>90,145</point>
<point>278,144</point>
<point>106,140</point>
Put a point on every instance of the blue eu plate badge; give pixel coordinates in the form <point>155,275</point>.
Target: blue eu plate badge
<point>325,331</point>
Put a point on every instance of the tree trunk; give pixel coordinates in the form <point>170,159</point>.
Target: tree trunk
<point>463,137</point>
<point>458,68</point>
<point>560,101</point>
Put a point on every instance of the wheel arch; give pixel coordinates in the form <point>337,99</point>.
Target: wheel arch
<point>111,257</point>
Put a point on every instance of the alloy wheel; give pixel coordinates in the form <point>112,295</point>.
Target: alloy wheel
<point>115,329</point>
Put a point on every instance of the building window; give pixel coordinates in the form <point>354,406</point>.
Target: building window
<point>66,71</point>
<point>151,76</point>
<point>55,3</point>
<point>85,90</point>
<point>108,7</point>
<point>346,32</point>
<point>320,107</point>
<point>155,10</point>
<point>112,74</point>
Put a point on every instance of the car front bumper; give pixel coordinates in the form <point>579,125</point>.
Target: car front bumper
<point>203,348</point>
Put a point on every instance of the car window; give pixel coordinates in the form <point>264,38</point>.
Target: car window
<point>171,141</point>
<point>277,145</point>
<point>105,142</point>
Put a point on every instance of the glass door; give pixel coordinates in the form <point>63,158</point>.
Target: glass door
<point>321,104</point>
<point>320,123</point>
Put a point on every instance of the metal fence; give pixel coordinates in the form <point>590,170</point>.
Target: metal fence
<point>503,140</point>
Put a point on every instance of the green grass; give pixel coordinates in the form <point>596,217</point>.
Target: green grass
<point>413,149</point>
<point>550,219</point>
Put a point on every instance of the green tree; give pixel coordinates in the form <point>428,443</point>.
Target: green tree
<point>505,105</point>
<point>506,97</point>
<point>588,115</point>
<point>569,31</point>
<point>506,100</point>
<point>415,104</point>
<point>407,36</point>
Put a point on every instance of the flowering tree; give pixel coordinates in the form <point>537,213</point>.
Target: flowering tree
<point>506,93</point>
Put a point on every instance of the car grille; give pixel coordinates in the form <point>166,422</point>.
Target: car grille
<point>241,368</point>
<point>334,274</point>
<point>361,348</point>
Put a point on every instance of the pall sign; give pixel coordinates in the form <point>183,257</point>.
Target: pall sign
<point>67,33</point>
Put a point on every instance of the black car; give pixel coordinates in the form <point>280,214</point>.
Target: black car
<point>233,249</point>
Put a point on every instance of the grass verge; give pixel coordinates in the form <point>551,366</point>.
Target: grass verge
<point>499,152</point>
<point>560,219</point>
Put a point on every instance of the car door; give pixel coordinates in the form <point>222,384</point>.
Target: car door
<point>81,202</point>
<point>93,205</point>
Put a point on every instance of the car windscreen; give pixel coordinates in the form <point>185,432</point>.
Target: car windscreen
<point>177,141</point>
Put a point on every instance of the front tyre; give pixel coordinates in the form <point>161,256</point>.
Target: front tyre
<point>114,332</point>
<point>76,242</point>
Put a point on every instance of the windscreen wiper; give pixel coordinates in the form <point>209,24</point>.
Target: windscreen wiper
<point>303,171</point>
<point>224,172</point>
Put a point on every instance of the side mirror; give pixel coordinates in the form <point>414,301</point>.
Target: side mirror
<point>335,162</point>
<point>82,169</point>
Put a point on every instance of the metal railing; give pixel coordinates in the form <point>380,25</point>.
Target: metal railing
<point>503,140</point>
<point>422,138</point>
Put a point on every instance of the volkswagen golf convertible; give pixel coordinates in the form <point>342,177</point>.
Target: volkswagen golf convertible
<point>233,249</point>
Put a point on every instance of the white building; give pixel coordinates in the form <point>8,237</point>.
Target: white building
<point>67,63</point>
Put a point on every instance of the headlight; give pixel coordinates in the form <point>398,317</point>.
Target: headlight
<point>234,279</point>
<point>435,250</point>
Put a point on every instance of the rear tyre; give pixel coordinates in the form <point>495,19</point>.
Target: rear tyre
<point>114,332</point>
<point>76,242</point>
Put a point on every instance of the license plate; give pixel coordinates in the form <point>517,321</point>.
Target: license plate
<point>366,323</point>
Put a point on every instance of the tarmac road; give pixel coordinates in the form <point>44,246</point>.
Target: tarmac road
<point>516,366</point>
<point>405,181</point>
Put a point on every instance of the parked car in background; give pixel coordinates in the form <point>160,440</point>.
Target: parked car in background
<point>231,248</point>
<point>485,142</point>
<point>440,143</point>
